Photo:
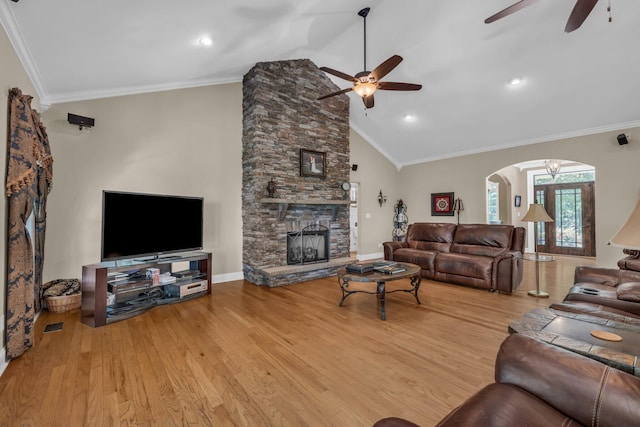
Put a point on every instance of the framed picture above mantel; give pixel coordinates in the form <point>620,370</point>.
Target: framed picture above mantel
<point>313,163</point>
<point>441,204</point>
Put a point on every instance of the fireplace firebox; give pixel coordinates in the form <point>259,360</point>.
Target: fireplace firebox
<point>308,245</point>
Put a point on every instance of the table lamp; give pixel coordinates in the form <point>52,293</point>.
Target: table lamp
<point>629,234</point>
<point>535,214</point>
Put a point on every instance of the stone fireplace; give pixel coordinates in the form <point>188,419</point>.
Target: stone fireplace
<point>281,116</point>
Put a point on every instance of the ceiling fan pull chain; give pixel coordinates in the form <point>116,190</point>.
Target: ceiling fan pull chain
<point>609,10</point>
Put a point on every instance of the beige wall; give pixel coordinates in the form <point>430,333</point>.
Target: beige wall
<point>12,75</point>
<point>617,181</point>
<point>374,173</point>
<point>181,142</point>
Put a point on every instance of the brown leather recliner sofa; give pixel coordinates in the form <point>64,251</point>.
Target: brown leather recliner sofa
<point>538,384</point>
<point>480,255</point>
<point>603,290</point>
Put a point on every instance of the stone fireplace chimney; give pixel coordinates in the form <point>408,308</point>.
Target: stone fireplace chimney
<point>281,116</point>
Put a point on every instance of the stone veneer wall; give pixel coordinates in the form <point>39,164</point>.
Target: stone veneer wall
<point>281,115</point>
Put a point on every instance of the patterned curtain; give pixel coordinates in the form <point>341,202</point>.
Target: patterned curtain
<point>29,177</point>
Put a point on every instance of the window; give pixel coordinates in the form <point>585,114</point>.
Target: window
<point>493,208</point>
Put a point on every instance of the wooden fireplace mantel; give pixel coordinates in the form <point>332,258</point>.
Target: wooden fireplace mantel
<point>283,204</point>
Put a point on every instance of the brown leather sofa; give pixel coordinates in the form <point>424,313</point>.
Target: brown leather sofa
<point>480,255</point>
<point>603,290</point>
<point>538,384</point>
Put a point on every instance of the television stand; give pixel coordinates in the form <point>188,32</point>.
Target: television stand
<point>114,291</point>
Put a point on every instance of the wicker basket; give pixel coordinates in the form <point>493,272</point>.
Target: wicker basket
<point>64,303</point>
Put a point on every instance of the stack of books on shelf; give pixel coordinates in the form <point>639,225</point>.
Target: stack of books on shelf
<point>388,267</point>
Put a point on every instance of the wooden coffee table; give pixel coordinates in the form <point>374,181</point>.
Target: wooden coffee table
<point>412,272</point>
<point>573,331</point>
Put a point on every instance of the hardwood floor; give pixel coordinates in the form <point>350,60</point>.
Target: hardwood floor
<point>287,356</point>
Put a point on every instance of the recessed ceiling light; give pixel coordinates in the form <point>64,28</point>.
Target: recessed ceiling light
<point>205,41</point>
<point>517,81</point>
<point>409,117</point>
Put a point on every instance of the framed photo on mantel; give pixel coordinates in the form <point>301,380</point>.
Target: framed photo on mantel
<point>313,163</point>
<point>441,204</point>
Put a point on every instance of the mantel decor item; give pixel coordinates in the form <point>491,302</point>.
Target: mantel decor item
<point>382,199</point>
<point>313,163</point>
<point>536,214</point>
<point>458,207</point>
<point>441,204</point>
<point>271,188</point>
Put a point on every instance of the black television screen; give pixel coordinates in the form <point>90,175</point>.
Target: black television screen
<point>140,225</point>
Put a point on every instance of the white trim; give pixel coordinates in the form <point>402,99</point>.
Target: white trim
<point>3,360</point>
<point>136,90</point>
<point>12,29</point>
<point>228,277</point>
<point>3,351</point>
<point>514,144</point>
<point>367,257</point>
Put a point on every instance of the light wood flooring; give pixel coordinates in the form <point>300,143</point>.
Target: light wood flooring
<point>288,356</point>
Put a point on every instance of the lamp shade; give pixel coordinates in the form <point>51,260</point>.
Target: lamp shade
<point>458,206</point>
<point>536,213</point>
<point>629,234</point>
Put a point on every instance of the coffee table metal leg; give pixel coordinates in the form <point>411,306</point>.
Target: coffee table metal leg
<point>381,296</point>
<point>415,282</point>
<point>344,284</point>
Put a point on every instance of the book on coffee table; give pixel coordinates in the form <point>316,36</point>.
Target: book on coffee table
<point>390,269</point>
<point>359,268</point>
<point>377,264</point>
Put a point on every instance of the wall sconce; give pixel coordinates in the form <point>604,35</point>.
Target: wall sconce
<point>382,199</point>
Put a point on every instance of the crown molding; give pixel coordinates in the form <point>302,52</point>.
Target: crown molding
<point>14,34</point>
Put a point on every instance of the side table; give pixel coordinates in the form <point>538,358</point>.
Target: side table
<point>572,331</point>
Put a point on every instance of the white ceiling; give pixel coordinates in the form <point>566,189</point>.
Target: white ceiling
<point>583,82</point>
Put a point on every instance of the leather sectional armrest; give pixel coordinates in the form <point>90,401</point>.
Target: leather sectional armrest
<point>604,276</point>
<point>582,388</point>
<point>389,247</point>
<point>629,291</point>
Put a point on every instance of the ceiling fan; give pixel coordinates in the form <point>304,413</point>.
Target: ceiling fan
<point>580,12</point>
<point>365,83</point>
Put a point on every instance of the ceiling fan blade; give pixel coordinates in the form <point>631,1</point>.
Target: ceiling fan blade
<point>398,86</point>
<point>509,10</point>
<point>580,11</point>
<point>386,67</point>
<point>339,74</point>
<point>368,101</point>
<point>340,92</point>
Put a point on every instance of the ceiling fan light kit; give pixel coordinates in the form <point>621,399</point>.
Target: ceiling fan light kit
<point>365,83</point>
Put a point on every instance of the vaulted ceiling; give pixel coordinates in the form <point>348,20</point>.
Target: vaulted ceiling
<point>574,83</point>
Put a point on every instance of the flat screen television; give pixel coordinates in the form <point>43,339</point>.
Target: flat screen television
<point>137,225</point>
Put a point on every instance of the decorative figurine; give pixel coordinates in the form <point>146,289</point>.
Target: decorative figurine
<point>271,188</point>
<point>400,221</point>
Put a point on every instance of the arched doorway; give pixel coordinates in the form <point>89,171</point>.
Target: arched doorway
<point>568,197</point>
